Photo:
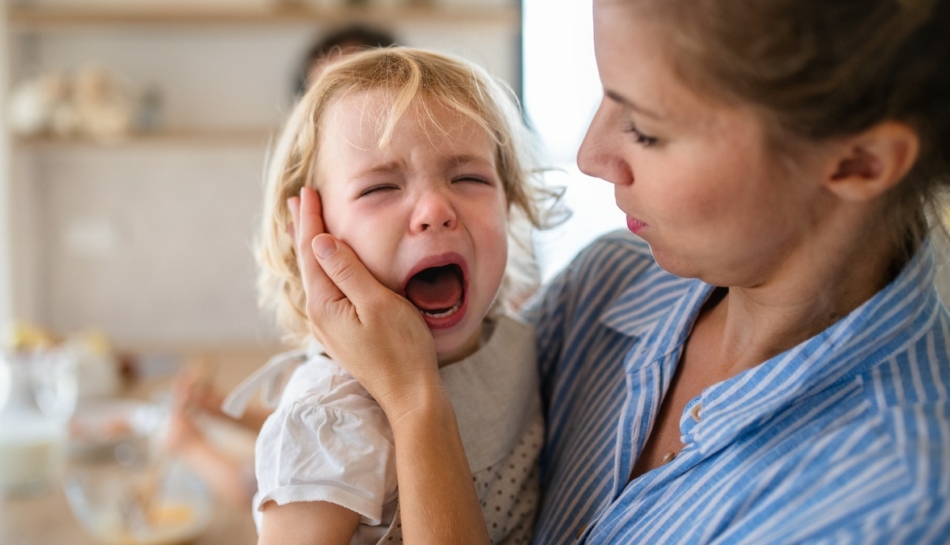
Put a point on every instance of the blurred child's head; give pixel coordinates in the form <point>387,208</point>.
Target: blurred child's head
<point>336,45</point>
<point>422,165</point>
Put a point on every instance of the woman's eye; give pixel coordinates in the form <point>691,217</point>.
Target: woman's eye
<point>640,138</point>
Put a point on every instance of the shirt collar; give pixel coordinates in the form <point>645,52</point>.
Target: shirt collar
<point>660,308</point>
<point>891,319</point>
<point>644,308</point>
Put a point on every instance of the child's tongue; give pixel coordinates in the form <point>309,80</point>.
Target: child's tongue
<point>436,289</point>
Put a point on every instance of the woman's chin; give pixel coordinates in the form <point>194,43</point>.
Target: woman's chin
<point>673,267</point>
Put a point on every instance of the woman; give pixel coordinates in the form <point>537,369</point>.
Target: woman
<point>767,359</point>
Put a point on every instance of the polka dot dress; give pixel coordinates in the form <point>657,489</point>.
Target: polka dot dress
<point>509,493</point>
<point>497,404</point>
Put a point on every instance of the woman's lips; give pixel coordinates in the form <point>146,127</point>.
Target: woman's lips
<point>635,225</point>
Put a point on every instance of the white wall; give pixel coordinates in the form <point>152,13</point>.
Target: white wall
<point>561,93</point>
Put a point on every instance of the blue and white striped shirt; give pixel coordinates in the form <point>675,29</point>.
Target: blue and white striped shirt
<point>845,438</point>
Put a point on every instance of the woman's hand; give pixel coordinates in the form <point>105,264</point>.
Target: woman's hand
<point>378,336</point>
<point>382,340</point>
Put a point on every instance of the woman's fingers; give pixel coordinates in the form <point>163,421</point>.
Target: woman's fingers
<point>342,266</point>
<point>307,224</point>
<point>378,336</point>
<point>293,204</point>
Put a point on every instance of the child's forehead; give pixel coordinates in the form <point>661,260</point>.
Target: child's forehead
<point>360,121</point>
<point>377,107</point>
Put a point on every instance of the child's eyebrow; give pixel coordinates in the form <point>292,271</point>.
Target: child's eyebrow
<point>463,159</point>
<point>467,159</point>
<point>381,168</point>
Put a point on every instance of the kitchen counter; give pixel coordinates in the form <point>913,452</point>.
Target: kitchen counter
<point>48,519</point>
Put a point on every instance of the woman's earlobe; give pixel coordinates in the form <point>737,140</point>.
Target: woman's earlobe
<point>874,161</point>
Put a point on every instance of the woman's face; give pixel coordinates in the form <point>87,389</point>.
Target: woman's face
<point>693,175</point>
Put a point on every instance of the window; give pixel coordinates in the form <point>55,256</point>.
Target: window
<point>561,93</point>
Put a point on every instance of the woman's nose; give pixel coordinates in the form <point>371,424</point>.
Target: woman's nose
<point>598,155</point>
<point>433,211</point>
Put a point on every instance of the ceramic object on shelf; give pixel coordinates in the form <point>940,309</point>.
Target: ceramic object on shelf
<point>158,5</point>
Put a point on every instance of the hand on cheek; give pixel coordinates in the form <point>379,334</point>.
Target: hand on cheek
<point>378,336</point>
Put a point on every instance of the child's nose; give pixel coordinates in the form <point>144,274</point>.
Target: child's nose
<point>433,211</point>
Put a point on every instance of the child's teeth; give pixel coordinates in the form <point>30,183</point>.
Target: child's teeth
<point>449,312</point>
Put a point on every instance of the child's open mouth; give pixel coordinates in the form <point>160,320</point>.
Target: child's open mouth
<point>438,293</point>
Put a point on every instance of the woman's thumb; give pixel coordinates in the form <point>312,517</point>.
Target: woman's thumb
<point>324,246</point>
<point>344,269</point>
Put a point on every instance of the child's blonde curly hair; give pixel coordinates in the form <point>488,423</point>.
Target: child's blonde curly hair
<point>424,79</point>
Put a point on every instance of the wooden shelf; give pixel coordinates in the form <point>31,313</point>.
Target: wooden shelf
<point>159,138</point>
<point>27,18</point>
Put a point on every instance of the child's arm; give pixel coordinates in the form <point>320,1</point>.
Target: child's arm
<point>437,499</point>
<point>193,388</point>
<point>231,478</point>
<point>307,523</point>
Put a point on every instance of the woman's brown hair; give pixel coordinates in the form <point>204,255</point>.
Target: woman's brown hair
<point>821,69</point>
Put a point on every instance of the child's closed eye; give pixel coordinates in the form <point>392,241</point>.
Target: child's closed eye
<point>379,188</point>
<point>470,178</point>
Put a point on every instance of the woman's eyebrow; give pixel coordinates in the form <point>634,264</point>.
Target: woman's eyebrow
<point>620,99</point>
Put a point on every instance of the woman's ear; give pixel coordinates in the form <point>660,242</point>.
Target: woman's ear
<point>874,161</point>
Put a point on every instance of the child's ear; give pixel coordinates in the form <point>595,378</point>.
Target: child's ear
<point>874,161</point>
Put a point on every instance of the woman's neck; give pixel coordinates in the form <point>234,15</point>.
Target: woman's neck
<point>751,324</point>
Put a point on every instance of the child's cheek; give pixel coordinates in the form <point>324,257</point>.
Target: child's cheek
<point>373,244</point>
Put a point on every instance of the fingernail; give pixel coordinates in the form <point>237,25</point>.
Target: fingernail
<point>324,246</point>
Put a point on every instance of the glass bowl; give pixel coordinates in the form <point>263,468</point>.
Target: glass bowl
<point>107,500</point>
<point>120,489</point>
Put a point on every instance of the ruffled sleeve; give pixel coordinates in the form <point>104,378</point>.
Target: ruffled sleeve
<point>328,440</point>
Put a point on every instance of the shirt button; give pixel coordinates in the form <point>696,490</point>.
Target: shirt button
<point>694,412</point>
<point>580,532</point>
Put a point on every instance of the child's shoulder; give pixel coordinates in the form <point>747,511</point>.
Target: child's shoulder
<point>315,378</point>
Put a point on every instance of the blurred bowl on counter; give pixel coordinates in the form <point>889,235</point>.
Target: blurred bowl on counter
<point>119,484</point>
<point>99,426</point>
<point>106,499</point>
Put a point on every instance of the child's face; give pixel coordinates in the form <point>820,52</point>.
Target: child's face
<point>427,214</point>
